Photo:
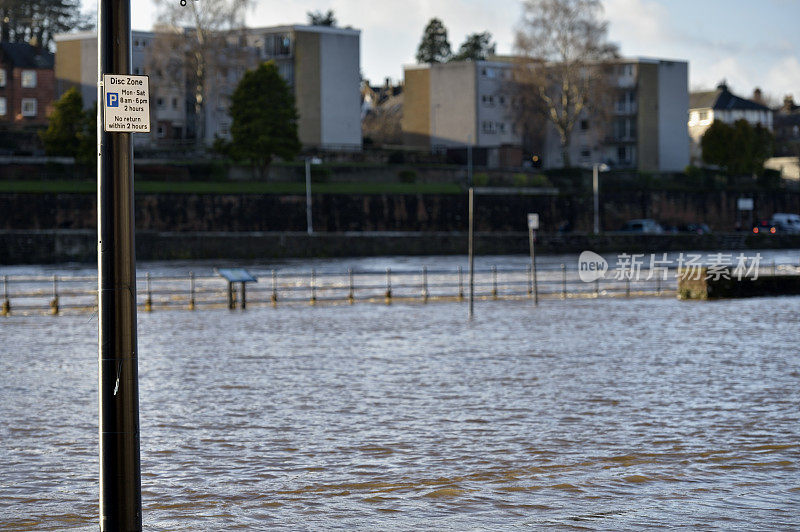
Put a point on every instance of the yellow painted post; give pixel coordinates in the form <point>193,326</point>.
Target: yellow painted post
<point>6,301</point>
<point>192,304</point>
<point>388,286</point>
<point>351,294</point>
<point>148,302</point>
<point>54,301</point>
<point>274,297</point>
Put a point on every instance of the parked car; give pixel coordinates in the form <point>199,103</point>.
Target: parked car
<point>644,225</point>
<point>698,229</point>
<point>786,223</point>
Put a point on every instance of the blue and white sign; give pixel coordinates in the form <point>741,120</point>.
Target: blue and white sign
<point>126,105</point>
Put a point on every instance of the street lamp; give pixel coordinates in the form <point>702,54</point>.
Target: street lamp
<point>596,169</point>
<point>309,162</point>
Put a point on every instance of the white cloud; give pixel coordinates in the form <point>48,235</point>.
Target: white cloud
<point>784,77</point>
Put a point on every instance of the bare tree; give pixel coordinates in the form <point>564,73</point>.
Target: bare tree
<point>203,36</point>
<point>562,73</point>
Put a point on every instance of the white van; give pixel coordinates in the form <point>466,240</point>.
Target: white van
<point>785,223</point>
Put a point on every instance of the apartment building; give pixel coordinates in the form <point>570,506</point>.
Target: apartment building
<point>27,86</point>
<point>320,64</point>
<point>456,104</point>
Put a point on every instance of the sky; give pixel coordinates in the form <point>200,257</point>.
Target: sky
<point>748,43</point>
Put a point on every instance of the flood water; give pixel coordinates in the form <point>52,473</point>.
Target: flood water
<point>583,414</point>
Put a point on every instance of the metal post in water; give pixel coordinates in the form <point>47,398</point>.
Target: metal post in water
<point>597,287</point>
<point>313,286</point>
<point>529,271</point>
<point>6,302</point>
<point>658,285</point>
<point>424,284</point>
<point>351,294</point>
<point>54,301</point>
<point>120,467</point>
<point>532,242</point>
<point>231,297</point>
<point>274,297</point>
<point>388,286</point>
<point>460,284</point>
<point>471,252</point>
<point>191,291</point>
<point>148,302</point>
<point>628,286</point>
<point>244,295</point>
<point>596,196</point>
<point>494,282</point>
<point>563,281</point>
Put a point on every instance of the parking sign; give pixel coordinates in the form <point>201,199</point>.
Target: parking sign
<point>533,221</point>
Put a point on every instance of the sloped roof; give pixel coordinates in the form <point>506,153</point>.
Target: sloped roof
<point>723,100</point>
<point>23,55</point>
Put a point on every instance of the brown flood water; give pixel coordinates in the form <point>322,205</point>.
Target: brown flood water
<point>586,414</point>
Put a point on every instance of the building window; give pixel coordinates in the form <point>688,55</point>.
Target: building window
<point>586,152</point>
<point>29,107</point>
<point>174,103</point>
<point>2,78</point>
<point>703,116</point>
<point>501,126</point>
<point>489,127</point>
<point>160,103</point>
<point>487,100</point>
<point>584,125</point>
<point>502,100</point>
<point>29,79</point>
<point>2,106</point>
<point>224,128</point>
<point>161,132</point>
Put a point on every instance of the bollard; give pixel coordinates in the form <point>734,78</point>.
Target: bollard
<point>388,286</point>
<point>54,302</point>
<point>148,302</point>
<point>351,294</point>
<point>530,280</point>
<point>563,281</point>
<point>424,284</point>
<point>6,302</point>
<point>494,282</point>
<point>313,300</point>
<point>191,291</point>
<point>460,284</point>
<point>274,297</point>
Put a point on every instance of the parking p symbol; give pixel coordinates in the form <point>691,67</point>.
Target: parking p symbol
<point>112,99</point>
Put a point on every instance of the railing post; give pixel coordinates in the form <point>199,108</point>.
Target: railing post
<point>388,286</point>
<point>313,300</point>
<point>148,302</point>
<point>274,297</point>
<point>54,302</point>
<point>494,282</point>
<point>192,304</point>
<point>424,284</point>
<point>231,296</point>
<point>351,294</point>
<point>6,302</point>
<point>460,284</point>
<point>563,281</point>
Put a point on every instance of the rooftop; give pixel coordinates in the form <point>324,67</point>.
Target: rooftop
<point>723,99</point>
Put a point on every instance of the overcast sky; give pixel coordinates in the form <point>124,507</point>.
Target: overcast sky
<point>750,43</point>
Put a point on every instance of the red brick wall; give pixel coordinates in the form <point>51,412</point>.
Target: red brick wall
<point>13,92</point>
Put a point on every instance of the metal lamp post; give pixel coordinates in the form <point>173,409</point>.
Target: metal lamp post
<point>596,169</point>
<point>309,162</point>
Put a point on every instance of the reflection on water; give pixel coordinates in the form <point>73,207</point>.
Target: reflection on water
<point>598,414</point>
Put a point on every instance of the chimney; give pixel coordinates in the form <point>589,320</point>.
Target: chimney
<point>758,97</point>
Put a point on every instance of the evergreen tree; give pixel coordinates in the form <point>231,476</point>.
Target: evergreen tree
<point>434,47</point>
<point>72,131</point>
<point>264,118</point>
<point>476,47</point>
<point>38,21</point>
<point>740,149</point>
<point>318,18</point>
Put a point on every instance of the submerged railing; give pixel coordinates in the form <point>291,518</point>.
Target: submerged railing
<point>57,294</point>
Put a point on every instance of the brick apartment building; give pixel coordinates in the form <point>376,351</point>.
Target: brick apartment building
<point>27,84</point>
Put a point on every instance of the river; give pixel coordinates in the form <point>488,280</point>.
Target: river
<point>581,414</point>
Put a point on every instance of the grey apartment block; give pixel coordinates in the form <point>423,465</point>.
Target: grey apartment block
<point>455,104</point>
<point>321,65</point>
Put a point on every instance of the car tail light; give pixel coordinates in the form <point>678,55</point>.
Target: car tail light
<point>772,230</point>
<point>755,230</point>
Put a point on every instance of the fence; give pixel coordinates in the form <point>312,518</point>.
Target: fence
<point>57,294</point>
